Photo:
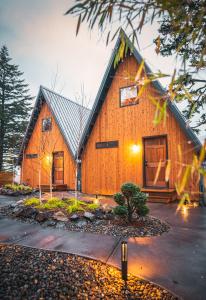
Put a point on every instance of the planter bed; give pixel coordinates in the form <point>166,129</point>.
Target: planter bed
<point>99,221</point>
<point>28,273</point>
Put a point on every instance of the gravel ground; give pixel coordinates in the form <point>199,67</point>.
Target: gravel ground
<point>148,226</point>
<point>143,226</point>
<point>28,273</point>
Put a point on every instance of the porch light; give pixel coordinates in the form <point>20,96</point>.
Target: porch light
<point>124,255</point>
<point>135,148</point>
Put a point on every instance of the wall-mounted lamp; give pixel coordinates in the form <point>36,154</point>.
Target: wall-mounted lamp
<point>124,255</point>
<point>135,148</point>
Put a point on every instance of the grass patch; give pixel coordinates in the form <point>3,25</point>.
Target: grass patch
<point>17,187</point>
<point>71,205</point>
<point>32,201</point>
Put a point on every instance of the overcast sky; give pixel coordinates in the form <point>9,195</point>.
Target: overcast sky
<point>42,41</point>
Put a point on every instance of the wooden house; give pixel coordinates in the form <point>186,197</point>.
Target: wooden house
<point>48,150</point>
<point>120,142</point>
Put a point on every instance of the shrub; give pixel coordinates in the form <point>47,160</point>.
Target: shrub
<point>120,210</point>
<point>92,206</point>
<point>74,208</point>
<point>132,199</point>
<point>119,199</point>
<point>17,187</point>
<point>53,203</point>
<point>32,201</point>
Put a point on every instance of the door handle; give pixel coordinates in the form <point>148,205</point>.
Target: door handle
<point>145,163</point>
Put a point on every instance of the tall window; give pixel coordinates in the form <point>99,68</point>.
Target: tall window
<point>46,124</point>
<point>128,96</point>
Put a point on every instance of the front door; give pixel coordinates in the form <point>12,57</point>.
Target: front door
<point>155,154</point>
<point>58,167</point>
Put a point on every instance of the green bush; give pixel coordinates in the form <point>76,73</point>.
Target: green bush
<point>131,198</point>
<point>17,187</point>
<point>120,210</point>
<point>92,206</point>
<point>53,203</point>
<point>119,199</point>
<point>32,201</point>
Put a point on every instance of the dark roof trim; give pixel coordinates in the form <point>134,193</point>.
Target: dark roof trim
<point>104,87</point>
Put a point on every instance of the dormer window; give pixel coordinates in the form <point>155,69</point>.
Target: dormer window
<point>46,124</point>
<point>128,96</point>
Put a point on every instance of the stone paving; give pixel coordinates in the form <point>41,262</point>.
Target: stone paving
<point>175,260</point>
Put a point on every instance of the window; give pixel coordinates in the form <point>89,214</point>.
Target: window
<point>110,144</point>
<point>46,124</point>
<point>31,155</point>
<point>128,96</point>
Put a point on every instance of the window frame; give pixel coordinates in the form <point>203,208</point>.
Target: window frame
<point>50,128</point>
<point>124,87</point>
<point>107,145</point>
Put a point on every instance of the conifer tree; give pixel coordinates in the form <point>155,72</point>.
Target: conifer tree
<point>15,107</point>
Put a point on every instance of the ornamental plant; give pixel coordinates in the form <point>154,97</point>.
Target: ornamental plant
<point>131,200</point>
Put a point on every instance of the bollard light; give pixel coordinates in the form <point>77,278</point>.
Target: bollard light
<point>124,255</point>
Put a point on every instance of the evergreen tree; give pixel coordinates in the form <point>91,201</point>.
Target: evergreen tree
<point>15,107</point>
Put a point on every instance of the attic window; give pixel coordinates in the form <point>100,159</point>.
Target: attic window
<point>128,96</point>
<point>46,124</point>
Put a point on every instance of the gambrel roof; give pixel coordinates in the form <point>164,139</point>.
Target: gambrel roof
<point>68,115</point>
<point>106,83</point>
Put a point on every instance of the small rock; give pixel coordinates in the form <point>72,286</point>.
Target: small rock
<point>89,216</point>
<point>41,217</point>
<point>74,217</point>
<point>99,214</point>
<point>60,216</point>
<point>81,223</point>
<point>60,225</point>
<point>49,223</point>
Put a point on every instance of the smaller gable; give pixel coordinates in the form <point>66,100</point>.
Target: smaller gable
<point>68,115</point>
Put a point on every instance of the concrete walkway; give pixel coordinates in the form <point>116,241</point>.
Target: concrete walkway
<point>175,260</point>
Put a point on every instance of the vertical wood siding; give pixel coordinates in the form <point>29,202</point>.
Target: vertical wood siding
<point>54,142</point>
<point>104,170</point>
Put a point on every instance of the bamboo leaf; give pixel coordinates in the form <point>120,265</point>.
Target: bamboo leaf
<point>168,170</point>
<point>185,178</point>
<point>78,24</point>
<point>158,43</point>
<point>139,72</point>
<point>157,172</point>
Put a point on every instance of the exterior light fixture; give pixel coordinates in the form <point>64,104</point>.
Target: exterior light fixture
<point>124,255</point>
<point>135,148</point>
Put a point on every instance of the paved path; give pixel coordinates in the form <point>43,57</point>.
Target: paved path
<point>176,260</point>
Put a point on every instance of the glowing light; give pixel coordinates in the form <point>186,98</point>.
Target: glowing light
<point>195,204</point>
<point>185,212</point>
<point>135,148</point>
<point>96,201</point>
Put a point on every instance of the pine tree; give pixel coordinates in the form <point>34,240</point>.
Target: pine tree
<point>15,107</point>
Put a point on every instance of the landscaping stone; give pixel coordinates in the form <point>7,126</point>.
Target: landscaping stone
<point>80,223</point>
<point>74,217</point>
<point>99,213</point>
<point>28,212</point>
<point>41,217</point>
<point>60,216</point>
<point>28,273</point>
<point>89,216</point>
<point>60,225</point>
<point>49,223</point>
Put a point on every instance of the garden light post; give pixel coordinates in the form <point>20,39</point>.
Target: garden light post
<point>124,254</point>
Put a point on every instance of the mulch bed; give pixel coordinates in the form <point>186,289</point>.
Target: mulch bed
<point>28,273</point>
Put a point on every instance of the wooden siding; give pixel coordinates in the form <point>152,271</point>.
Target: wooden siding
<point>104,170</point>
<point>6,177</point>
<point>51,141</point>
